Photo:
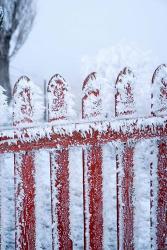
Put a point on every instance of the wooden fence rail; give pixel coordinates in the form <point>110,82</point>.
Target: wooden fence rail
<point>91,132</point>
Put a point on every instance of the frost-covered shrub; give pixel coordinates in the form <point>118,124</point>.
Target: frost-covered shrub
<point>110,61</point>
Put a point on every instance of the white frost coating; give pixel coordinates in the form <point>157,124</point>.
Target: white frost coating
<point>99,105</point>
<point>55,168</point>
<point>159,91</point>
<point>7,202</point>
<point>60,99</point>
<point>91,105</point>
<point>69,99</point>
<point>110,61</point>
<point>92,85</point>
<point>20,197</point>
<point>19,189</point>
<point>109,198</point>
<point>27,101</point>
<point>119,153</point>
<point>40,131</point>
<point>92,99</point>
<point>76,198</point>
<point>154,189</point>
<point>54,200</point>
<point>142,195</point>
<point>125,87</point>
<point>43,201</point>
<point>106,96</point>
<point>87,198</point>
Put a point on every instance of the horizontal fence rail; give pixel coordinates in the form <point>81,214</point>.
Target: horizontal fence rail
<point>81,133</point>
<point>58,134</point>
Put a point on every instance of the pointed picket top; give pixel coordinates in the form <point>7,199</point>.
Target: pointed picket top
<point>91,100</point>
<point>59,108</point>
<point>124,97</point>
<point>159,91</point>
<point>58,95</point>
<point>22,103</point>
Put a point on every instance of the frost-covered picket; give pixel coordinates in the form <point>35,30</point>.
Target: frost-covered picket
<point>58,109</point>
<point>81,215</point>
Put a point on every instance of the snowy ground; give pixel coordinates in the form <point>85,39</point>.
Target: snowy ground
<point>43,206</point>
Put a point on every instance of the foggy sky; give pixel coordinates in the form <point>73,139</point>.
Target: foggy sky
<point>64,31</point>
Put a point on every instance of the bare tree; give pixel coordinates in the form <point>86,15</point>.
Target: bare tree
<point>1,17</point>
<point>18,17</point>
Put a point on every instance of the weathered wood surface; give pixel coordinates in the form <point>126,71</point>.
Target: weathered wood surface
<point>83,133</point>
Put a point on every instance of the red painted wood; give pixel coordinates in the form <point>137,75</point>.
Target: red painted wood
<point>95,182</point>
<point>59,168</point>
<point>159,107</point>
<point>24,201</point>
<point>23,110</point>
<point>24,170</point>
<point>38,138</point>
<point>124,106</point>
<point>162,196</point>
<point>152,217</point>
<point>56,91</point>
<point>92,160</point>
<point>60,199</point>
<point>125,201</point>
<point>92,171</point>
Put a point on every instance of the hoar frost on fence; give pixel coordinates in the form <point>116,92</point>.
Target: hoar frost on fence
<point>125,131</point>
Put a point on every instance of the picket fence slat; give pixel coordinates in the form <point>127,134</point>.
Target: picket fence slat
<point>92,169</point>
<point>124,106</point>
<point>159,107</point>
<point>59,168</point>
<point>24,171</point>
<point>162,196</point>
<point>92,132</point>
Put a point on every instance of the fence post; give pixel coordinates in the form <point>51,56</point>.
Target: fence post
<point>124,107</point>
<point>158,184</point>
<point>92,170</point>
<point>59,168</point>
<point>24,171</point>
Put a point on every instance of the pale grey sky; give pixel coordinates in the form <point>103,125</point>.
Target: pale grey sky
<point>64,31</point>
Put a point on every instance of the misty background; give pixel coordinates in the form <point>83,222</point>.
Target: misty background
<point>65,31</point>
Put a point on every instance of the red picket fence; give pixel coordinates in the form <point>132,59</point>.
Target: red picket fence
<point>91,133</point>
